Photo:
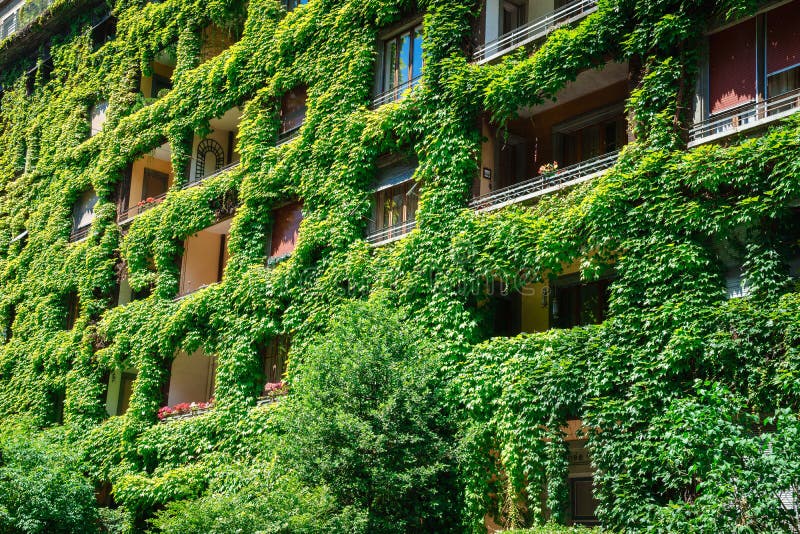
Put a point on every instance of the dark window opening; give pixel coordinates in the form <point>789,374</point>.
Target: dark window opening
<point>273,359</point>
<point>506,311</point>
<point>125,391</point>
<point>73,308</point>
<point>104,31</point>
<point>8,325</point>
<point>285,230</point>
<point>583,504</point>
<point>57,399</point>
<point>514,15</point>
<point>576,303</point>
<point>293,110</point>
<point>592,140</point>
<point>161,85</point>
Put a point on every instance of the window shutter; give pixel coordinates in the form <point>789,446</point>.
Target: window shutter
<point>285,230</point>
<point>732,72</point>
<point>783,37</point>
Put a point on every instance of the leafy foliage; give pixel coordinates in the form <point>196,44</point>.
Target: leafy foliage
<point>692,399</point>
<point>42,489</point>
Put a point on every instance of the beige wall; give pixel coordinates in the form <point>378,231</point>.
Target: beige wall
<point>223,138</point>
<point>137,175</point>
<point>200,261</point>
<point>191,378</point>
<point>538,8</point>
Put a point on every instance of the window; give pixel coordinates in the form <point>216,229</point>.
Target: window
<point>210,158</point>
<point>289,5</point>
<point>754,60</point>
<point>273,359</point>
<point>575,303</point>
<point>104,31</point>
<point>9,25</point>
<point>73,308</point>
<point>285,230</point>
<point>154,183</point>
<point>583,504</point>
<point>506,310</point>
<point>293,110</point>
<point>401,63</point>
<point>83,215</point>
<point>589,136</point>
<point>97,117</point>
<point>394,202</point>
<point>514,15</point>
<point>783,49</point>
<point>161,85</point>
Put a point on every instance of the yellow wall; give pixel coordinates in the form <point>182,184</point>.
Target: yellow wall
<point>535,317</point>
<point>146,84</point>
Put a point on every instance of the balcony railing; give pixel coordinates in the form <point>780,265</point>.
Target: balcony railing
<point>743,118</point>
<point>195,412</point>
<point>198,181</point>
<point>534,30</point>
<point>391,233</point>
<point>128,215</point>
<point>16,16</point>
<point>544,183</point>
<point>396,93</point>
<point>79,234</point>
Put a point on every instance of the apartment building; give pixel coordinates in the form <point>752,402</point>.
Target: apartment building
<point>749,80</point>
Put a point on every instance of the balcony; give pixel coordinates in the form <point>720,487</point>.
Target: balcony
<point>385,236</point>
<point>205,255</point>
<point>534,30</point>
<point>396,93</point>
<point>79,234</point>
<point>544,183</point>
<point>744,118</point>
<point>16,16</point>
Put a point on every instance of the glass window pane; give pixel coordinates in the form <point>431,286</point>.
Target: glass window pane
<point>390,65</point>
<point>417,53</point>
<point>404,59</point>
<point>591,142</point>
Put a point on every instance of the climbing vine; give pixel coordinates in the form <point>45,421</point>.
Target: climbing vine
<point>689,400</point>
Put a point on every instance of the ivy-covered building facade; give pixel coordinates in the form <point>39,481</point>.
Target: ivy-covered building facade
<point>592,207</point>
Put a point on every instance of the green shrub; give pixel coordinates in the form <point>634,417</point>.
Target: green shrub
<point>41,488</point>
<point>365,420</point>
<point>271,505</point>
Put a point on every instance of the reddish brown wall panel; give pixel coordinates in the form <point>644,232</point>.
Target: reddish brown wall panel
<point>732,71</point>
<point>285,229</point>
<point>783,37</point>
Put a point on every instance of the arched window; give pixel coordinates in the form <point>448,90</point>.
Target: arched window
<point>210,159</point>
